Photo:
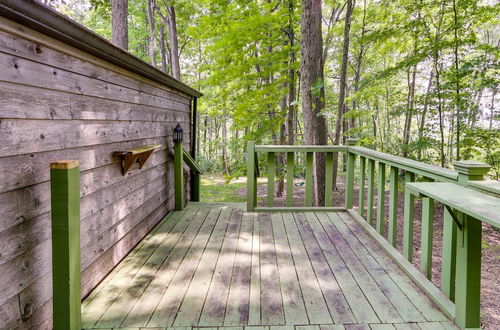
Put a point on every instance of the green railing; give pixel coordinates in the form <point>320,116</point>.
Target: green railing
<point>291,156</point>
<point>181,156</point>
<point>458,296</point>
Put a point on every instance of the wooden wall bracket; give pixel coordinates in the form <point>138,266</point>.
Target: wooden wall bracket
<point>137,155</point>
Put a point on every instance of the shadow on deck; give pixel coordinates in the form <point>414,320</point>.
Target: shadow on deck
<point>216,265</point>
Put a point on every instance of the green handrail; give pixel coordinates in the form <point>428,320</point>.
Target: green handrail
<point>181,156</point>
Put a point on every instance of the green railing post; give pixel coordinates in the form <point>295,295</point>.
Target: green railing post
<point>309,179</point>
<point>409,209</point>
<point>362,187</point>
<point>329,179</point>
<point>65,211</point>
<point>426,239</point>
<point>270,178</point>
<point>381,198</point>
<point>179,176</point>
<point>251,184</point>
<point>468,258</point>
<point>290,170</point>
<point>371,185</point>
<point>349,185</point>
<point>449,257</point>
<point>393,205</point>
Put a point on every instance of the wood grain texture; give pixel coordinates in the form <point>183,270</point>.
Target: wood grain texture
<point>61,103</point>
<point>219,267</point>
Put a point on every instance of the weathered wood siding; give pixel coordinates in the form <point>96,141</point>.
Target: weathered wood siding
<point>60,103</point>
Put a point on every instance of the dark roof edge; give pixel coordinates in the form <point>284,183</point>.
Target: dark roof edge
<point>46,20</point>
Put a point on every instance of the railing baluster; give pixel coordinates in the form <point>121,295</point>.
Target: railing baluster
<point>290,170</point>
<point>393,205</point>
<point>251,177</point>
<point>381,198</point>
<point>329,179</point>
<point>270,178</point>
<point>448,263</point>
<point>362,187</point>
<point>426,237</point>
<point>349,188</point>
<point>309,178</point>
<point>409,204</point>
<point>371,185</point>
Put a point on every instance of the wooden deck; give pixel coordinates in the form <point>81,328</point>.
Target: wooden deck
<point>215,265</point>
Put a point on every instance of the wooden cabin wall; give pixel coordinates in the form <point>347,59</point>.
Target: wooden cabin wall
<point>57,102</point>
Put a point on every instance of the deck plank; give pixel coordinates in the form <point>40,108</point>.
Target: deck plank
<point>215,303</point>
<point>420,301</point>
<point>192,305</point>
<point>215,266</point>
<point>144,306</point>
<point>272,312</point>
<point>384,309</point>
<point>362,310</point>
<point>238,300</point>
<point>399,300</point>
<point>112,308</point>
<point>166,310</point>
<point>293,303</point>
<point>337,304</point>
<point>316,307</point>
<point>254,294</point>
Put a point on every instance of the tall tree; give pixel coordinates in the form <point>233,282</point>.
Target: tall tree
<point>313,90</point>
<point>119,23</point>
<point>342,86</point>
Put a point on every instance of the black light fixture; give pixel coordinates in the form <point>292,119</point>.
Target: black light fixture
<point>178,133</point>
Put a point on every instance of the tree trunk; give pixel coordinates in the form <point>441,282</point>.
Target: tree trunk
<point>152,40</point>
<point>313,92</point>
<point>163,49</point>
<point>173,41</point>
<point>119,24</point>
<point>411,78</point>
<point>342,88</point>
<point>424,113</point>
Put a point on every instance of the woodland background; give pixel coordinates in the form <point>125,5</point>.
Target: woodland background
<point>416,78</point>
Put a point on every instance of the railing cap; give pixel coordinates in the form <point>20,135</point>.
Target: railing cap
<point>471,168</point>
<point>352,141</point>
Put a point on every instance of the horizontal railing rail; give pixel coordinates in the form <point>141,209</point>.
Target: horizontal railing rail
<point>181,156</point>
<point>367,168</point>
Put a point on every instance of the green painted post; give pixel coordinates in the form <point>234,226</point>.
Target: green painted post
<point>349,192</point>
<point>65,211</point>
<point>329,179</point>
<point>380,198</point>
<point>468,281</point>
<point>179,176</point>
<point>448,263</point>
<point>426,239</point>
<point>371,185</point>
<point>362,187</point>
<point>270,178</point>
<point>393,205</point>
<point>349,185</point>
<point>251,184</point>
<point>409,208</point>
<point>196,187</point>
<point>309,178</point>
<point>290,171</point>
<point>468,258</point>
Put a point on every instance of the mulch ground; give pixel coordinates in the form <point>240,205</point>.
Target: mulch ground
<point>490,263</point>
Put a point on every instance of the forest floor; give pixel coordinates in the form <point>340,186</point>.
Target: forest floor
<point>215,189</point>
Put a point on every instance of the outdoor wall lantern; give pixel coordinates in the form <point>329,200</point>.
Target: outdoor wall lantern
<point>178,133</point>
